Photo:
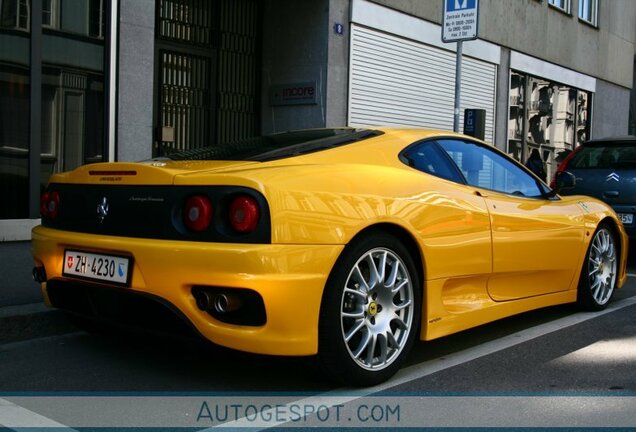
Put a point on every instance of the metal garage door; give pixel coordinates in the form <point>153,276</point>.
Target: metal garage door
<point>399,82</point>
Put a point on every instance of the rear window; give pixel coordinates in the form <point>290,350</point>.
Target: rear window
<point>277,146</point>
<point>599,157</point>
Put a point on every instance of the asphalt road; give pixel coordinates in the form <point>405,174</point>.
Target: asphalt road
<point>140,362</point>
<point>556,350</point>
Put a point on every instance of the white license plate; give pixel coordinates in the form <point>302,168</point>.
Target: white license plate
<point>98,267</point>
<point>626,218</point>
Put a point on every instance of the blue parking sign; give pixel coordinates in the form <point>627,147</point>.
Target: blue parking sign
<point>458,5</point>
<point>460,20</point>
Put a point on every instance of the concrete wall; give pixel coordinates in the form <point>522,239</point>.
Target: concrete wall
<point>503,95</point>
<point>537,29</point>
<point>611,110</point>
<point>295,50</point>
<point>135,79</point>
<point>338,64</point>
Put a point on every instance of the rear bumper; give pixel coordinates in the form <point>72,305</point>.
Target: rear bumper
<point>289,278</point>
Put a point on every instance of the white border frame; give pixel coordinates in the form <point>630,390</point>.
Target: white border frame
<point>550,71</point>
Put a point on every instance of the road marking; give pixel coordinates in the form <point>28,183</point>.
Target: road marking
<point>345,395</point>
<point>16,418</point>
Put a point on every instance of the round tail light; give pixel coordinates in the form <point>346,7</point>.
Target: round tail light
<point>197,213</point>
<point>49,204</point>
<point>244,214</point>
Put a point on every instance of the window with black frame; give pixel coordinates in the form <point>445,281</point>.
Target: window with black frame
<point>547,120</point>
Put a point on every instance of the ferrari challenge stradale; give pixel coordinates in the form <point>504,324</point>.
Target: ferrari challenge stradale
<point>348,244</point>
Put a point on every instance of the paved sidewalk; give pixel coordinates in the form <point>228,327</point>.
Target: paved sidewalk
<point>16,283</point>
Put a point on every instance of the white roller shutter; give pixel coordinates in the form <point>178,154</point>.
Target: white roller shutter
<point>398,82</point>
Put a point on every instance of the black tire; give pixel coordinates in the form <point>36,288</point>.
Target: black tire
<point>600,270</point>
<point>387,317</point>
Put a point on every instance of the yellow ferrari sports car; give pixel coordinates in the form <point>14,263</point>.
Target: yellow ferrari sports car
<point>348,244</point>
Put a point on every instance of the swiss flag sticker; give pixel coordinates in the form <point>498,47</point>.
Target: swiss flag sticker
<point>69,262</point>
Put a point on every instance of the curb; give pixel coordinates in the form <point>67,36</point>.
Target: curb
<point>31,321</point>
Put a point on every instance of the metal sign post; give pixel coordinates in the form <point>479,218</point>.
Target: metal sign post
<point>458,85</point>
<point>460,22</point>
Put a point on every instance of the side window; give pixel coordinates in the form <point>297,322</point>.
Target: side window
<point>487,169</point>
<point>428,157</point>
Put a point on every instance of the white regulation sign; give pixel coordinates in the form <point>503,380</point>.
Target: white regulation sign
<point>460,20</point>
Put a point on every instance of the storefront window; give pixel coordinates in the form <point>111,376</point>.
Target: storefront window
<point>546,120</point>
<point>14,110</point>
<point>73,88</point>
<point>72,104</point>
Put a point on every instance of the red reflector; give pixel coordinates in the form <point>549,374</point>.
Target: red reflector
<point>50,204</point>
<point>244,214</point>
<point>197,213</point>
<point>44,199</point>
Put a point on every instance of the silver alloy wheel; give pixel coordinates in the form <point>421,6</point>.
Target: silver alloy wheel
<point>601,266</point>
<point>376,311</point>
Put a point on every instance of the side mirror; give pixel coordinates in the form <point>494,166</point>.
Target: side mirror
<point>564,180</point>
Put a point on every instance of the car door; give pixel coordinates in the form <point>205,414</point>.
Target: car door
<point>536,241</point>
<point>456,235</point>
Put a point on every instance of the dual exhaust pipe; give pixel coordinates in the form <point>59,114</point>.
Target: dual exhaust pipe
<point>238,306</point>
<point>220,302</point>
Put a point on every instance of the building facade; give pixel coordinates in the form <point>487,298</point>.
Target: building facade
<point>103,80</point>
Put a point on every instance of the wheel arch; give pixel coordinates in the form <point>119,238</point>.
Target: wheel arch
<point>405,237</point>
<point>590,298</point>
<point>613,225</point>
<point>329,349</point>
<point>623,248</point>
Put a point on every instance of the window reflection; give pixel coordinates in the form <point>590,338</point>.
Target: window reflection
<point>545,116</point>
<point>14,14</point>
<point>72,103</point>
<point>14,109</point>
